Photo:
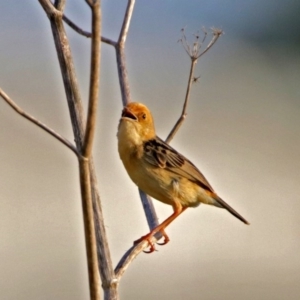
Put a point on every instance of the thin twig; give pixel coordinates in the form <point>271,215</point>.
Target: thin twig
<point>120,54</point>
<point>130,255</point>
<point>194,53</point>
<point>94,81</point>
<point>126,22</point>
<point>183,113</point>
<point>216,34</point>
<point>86,33</point>
<point>20,111</point>
<point>76,28</point>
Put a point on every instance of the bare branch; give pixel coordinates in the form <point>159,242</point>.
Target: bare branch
<point>121,63</point>
<point>86,33</point>
<point>78,124</point>
<point>194,53</point>
<point>48,7</point>
<point>135,250</point>
<point>185,43</point>
<point>89,228</point>
<point>76,28</point>
<point>126,22</point>
<point>21,112</point>
<point>130,255</point>
<point>123,76</point>
<point>108,41</point>
<point>183,113</point>
<point>216,34</point>
<point>94,80</point>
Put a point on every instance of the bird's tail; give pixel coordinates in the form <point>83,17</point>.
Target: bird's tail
<point>221,203</point>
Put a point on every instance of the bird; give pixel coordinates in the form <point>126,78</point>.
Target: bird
<point>160,171</point>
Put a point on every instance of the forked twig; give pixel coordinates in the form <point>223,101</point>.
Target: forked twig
<point>21,112</point>
<point>194,52</point>
<point>49,8</point>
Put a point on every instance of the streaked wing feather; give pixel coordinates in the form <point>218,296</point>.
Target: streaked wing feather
<point>162,155</point>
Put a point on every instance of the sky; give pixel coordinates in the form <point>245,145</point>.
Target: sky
<point>242,131</point>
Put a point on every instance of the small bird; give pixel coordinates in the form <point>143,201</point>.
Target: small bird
<point>160,171</point>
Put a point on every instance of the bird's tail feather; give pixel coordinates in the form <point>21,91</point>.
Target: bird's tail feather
<point>221,203</point>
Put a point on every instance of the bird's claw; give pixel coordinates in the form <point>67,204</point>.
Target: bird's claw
<point>152,247</point>
<point>150,244</point>
<point>166,241</point>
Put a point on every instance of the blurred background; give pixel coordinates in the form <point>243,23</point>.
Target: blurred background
<point>242,131</point>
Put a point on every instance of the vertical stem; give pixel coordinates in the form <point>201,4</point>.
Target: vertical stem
<point>123,76</point>
<point>94,80</point>
<point>89,229</point>
<point>78,124</point>
<point>69,78</point>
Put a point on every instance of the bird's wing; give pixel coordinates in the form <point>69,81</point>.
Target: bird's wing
<point>160,154</point>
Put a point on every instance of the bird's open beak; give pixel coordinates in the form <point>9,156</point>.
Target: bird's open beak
<point>126,113</point>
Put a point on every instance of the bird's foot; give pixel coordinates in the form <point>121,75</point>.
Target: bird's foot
<point>147,238</point>
<point>151,245</point>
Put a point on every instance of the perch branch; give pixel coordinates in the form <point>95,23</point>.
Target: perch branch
<point>21,112</point>
<point>130,255</point>
<point>125,92</point>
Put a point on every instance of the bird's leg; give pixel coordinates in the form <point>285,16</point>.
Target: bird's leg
<point>178,209</point>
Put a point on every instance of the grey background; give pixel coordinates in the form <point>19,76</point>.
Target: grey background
<point>242,131</point>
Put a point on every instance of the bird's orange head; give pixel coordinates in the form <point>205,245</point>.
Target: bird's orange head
<point>136,123</point>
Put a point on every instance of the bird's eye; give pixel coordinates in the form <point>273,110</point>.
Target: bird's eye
<point>144,116</point>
